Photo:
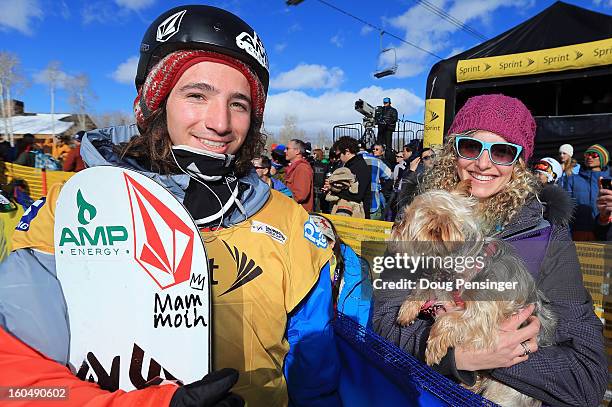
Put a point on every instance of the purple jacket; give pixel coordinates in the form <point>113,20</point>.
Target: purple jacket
<point>573,372</point>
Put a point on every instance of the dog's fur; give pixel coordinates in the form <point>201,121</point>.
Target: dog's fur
<point>440,223</point>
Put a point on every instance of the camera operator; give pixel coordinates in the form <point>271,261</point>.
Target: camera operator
<point>386,117</point>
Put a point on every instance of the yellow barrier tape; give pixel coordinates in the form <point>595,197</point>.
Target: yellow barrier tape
<point>578,56</point>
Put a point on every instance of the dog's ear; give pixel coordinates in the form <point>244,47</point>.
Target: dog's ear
<point>463,188</point>
<point>443,227</point>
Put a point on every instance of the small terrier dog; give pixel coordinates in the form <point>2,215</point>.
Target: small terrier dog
<point>441,223</point>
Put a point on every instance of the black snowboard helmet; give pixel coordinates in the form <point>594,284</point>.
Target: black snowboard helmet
<point>202,28</point>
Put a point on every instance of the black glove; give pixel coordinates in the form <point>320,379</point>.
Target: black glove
<point>212,390</point>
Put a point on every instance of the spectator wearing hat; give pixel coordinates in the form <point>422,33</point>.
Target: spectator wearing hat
<point>73,161</point>
<point>548,170</point>
<point>568,162</point>
<point>386,123</point>
<point>584,188</point>
<point>351,283</point>
<point>489,144</point>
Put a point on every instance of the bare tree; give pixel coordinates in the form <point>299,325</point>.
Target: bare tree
<point>9,77</point>
<point>115,118</point>
<point>80,95</point>
<point>290,130</point>
<point>53,76</point>
<point>322,139</point>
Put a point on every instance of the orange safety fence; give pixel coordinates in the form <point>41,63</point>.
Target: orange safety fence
<point>38,180</point>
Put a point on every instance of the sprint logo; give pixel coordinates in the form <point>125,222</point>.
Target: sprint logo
<point>246,268</point>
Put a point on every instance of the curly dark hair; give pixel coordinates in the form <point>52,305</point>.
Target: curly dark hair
<point>154,145</point>
<point>346,143</point>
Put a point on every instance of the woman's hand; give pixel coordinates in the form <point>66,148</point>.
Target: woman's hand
<point>509,350</point>
<point>414,164</point>
<point>326,186</point>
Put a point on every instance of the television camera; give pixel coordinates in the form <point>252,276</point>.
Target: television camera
<point>371,117</point>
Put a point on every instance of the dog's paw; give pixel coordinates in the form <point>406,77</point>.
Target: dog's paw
<point>408,312</point>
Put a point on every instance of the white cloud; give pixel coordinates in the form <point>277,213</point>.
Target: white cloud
<point>280,47</point>
<point>126,71</point>
<point>316,113</point>
<point>604,3</point>
<point>294,28</point>
<point>366,29</point>
<point>455,51</point>
<point>337,40</point>
<point>135,4</point>
<point>18,15</point>
<point>429,31</point>
<point>308,76</point>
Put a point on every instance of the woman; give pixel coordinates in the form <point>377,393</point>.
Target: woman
<point>489,143</point>
<point>351,283</point>
<point>568,162</point>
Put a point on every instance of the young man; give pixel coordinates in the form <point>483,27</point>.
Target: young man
<point>299,175</point>
<point>386,123</point>
<point>584,187</point>
<point>346,149</point>
<point>202,82</point>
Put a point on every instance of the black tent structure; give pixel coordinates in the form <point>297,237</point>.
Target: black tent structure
<point>559,63</point>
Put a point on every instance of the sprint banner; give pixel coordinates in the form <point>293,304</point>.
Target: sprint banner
<point>579,56</point>
<point>434,122</point>
<point>134,273</point>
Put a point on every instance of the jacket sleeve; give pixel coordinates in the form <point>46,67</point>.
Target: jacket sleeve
<point>412,339</point>
<point>301,187</point>
<point>312,366</point>
<point>355,300</point>
<point>410,185</point>
<point>573,372</point>
<point>362,188</point>
<point>34,337</point>
<point>22,366</point>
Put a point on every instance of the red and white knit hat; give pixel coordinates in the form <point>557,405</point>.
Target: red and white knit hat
<point>167,72</point>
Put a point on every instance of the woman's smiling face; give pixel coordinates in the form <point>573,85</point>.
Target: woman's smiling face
<point>486,177</point>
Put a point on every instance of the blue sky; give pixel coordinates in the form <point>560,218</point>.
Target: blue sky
<point>321,61</point>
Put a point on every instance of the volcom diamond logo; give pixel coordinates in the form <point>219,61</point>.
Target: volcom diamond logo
<point>163,243</point>
<point>169,26</point>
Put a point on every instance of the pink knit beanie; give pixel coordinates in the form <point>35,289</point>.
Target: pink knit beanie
<point>503,115</point>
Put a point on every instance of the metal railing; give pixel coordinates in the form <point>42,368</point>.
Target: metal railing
<point>405,132</point>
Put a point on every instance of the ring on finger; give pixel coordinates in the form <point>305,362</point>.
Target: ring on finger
<point>525,348</point>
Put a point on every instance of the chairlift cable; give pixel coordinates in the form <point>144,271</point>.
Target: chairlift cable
<point>379,29</point>
<point>444,15</point>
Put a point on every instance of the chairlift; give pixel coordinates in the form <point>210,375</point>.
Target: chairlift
<point>386,54</point>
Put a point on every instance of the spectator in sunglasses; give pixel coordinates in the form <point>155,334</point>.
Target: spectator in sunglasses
<point>488,144</point>
<point>427,158</point>
<point>263,166</point>
<point>584,187</point>
<point>548,170</point>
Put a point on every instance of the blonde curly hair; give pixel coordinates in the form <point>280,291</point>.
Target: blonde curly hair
<point>495,211</point>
